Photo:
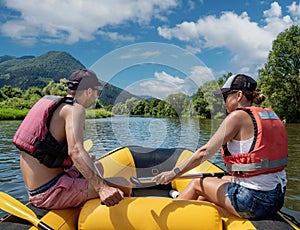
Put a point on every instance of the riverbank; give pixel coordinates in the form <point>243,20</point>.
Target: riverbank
<point>19,114</point>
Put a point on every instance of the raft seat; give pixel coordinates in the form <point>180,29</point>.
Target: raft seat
<point>118,163</point>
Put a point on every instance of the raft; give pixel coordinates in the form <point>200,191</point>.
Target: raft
<point>150,206</point>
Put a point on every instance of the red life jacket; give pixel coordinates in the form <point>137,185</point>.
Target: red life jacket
<point>269,150</point>
<point>33,135</point>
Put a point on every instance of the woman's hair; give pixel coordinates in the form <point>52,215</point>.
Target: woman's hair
<point>253,96</point>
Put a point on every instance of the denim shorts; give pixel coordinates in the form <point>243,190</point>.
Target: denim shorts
<point>249,203</point>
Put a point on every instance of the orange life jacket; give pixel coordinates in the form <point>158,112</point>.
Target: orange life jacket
<point>269,150</point>
<point>33,135</point>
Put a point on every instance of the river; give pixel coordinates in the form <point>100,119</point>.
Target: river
<point>110,133</point>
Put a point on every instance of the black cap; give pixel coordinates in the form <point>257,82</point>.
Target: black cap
<point>86,78</point>
<point>237,82</point>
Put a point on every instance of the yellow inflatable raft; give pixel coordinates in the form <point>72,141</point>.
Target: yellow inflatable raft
<point>150,206</point>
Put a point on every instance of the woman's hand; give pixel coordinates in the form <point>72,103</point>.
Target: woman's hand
<point>164,177</point>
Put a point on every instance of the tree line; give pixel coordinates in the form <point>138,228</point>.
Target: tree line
<point>200,105</point>
<point>15,103</point>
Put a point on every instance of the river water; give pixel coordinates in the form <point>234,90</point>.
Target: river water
<point>110,133</point>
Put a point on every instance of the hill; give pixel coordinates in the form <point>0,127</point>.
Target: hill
<point>27,71</point>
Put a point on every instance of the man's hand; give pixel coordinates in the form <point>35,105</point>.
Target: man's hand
<point>110,196</point>
<point>93,157</point>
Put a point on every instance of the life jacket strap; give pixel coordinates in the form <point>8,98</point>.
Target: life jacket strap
<point>262,165</point>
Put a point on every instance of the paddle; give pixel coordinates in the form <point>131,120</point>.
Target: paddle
<point>16,208</point>
<point>88,144</point>
<point>143,180</point>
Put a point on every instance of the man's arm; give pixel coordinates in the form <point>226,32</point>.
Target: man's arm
<point>74,126</point>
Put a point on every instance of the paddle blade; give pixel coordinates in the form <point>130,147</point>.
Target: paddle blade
<point>16,208</point>
<point>88,144</point>
<point>135,180</point>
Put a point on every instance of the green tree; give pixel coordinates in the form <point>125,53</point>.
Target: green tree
<point>200,104</point>
<point>10,92</point>
<point>119,109</point>
<point>54,88</point>
<point>279,80</point>
<point>141,108</point>
<point>33,91</point>
<point>31,96</point>
<point>169,111</point>
<point>98,104</point>
<point>2,96</point>
<point>153,107</point>
<point>179,102</point>
<point>130,104</point>
<point>205,103</point>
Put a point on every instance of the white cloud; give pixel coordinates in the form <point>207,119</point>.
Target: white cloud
<point>294,10</point>
<point>163,84</point>
<point>163,76</point>
<point>248,42</point>
<point>274,11</point>
<point>69,21</point>
<point>193,49</point>
<point>151,54</point>
<point>201,74</point>
<point>115,36</point>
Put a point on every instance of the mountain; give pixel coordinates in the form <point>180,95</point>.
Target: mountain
<point>112,95</point>
<point>27,71</point>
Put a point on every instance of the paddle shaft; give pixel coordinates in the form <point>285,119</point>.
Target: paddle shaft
<point>141,180</point>
<point>44,226</point>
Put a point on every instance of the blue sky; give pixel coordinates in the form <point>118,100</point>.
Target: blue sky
<point>133,43</point>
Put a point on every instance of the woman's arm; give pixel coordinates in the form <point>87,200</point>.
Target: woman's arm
<point>228,129</point>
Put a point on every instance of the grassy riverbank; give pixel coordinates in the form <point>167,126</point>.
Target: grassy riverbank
<point>19,114</point>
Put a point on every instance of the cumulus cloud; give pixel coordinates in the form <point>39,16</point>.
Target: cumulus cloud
<point>163,76</point>
<point>294,10</point>
<point>115,36</point>
<point>163,84</point>
<point>274,11</point>
<point>68,21</point>
<point>248,42</point>
<point>159,86</point>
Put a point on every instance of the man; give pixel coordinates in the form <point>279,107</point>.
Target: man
<point>51,141</point>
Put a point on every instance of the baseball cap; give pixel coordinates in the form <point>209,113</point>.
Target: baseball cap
<point>237,82</point>
<point>83,79</point>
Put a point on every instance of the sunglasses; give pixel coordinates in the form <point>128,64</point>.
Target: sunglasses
<point>98,89</point>
<point>226,94</point>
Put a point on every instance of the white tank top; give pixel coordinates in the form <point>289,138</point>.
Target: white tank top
<point>263,182</point>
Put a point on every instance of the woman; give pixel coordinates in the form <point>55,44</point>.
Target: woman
<point>254,149</point>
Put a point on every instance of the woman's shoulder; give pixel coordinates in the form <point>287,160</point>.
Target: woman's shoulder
<point>238,114</point>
